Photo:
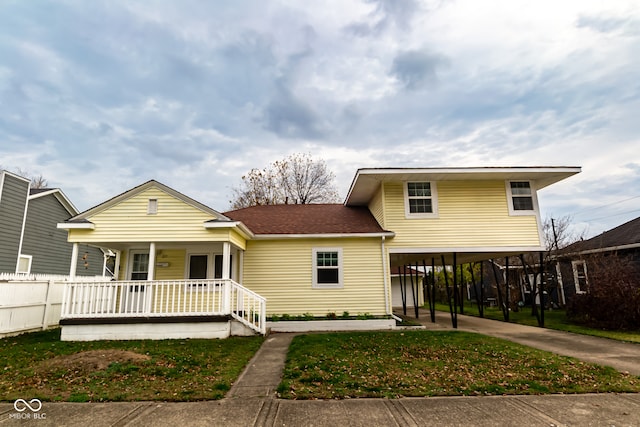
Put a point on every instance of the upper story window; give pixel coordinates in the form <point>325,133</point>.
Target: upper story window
<point>152,207</point>
<point>521,198</point>
<point>420,199</point>
<point>327,268</point>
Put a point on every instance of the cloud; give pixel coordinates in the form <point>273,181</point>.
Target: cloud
<point>417,69</point>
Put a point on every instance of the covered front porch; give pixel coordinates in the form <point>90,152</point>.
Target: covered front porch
<point>164,290</point>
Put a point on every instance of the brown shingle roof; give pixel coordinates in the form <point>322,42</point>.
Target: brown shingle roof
<point>625,234</point>
<point>306,219</point>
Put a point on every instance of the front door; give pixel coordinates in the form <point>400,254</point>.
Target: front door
<point>136,300</point>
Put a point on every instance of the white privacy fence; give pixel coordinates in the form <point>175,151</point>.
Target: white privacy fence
<point>28,305</point>
<point>163,298</point>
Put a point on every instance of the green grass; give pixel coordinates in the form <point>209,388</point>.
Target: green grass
<point>39,365</point>
<point>434,363</point>
<point>553,319</point>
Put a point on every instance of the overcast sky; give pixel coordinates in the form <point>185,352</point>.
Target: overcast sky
<point>101,96</point>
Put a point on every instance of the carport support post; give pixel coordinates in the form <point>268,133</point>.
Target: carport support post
<point>454,315</point>
<point>462,289</point>
<point>415,291</point>
<point>403,290</point>
<point>455,291</point>
<point>506,286</point>
<point>541,289</point>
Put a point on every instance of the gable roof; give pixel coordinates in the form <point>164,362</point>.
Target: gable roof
<point>83,216</point>
<point>367,181</point>
<point>36,193</point>
<point>625,236</point>
<point>310,219</point>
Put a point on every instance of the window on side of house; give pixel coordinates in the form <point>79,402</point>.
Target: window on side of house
<point>327,268</point>
<point>24,264</point>
<point>420,199</point>
<point>580,276</point>
<point>521,198</point>
<point>140,266</point>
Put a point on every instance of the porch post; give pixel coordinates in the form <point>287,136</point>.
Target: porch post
<point>226,258</point>
<point>152,261</point>
<point>74,262</point>
<point>116,268</point>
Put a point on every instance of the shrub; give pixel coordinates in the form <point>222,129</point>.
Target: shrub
<point>612,300</point>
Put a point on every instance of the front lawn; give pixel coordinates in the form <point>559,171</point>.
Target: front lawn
<point>553,319</point>
<point>434,363</point>
<point>39,365</point>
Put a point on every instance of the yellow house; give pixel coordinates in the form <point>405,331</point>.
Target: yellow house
<point>198,272</point>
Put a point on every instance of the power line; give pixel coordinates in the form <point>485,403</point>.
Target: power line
<point>604,206</point>
<point>611,216</point>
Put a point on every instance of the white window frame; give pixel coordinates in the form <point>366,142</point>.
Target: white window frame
<point>340,283</point>
<point>132,254</point>
<point>29,259</point>
<point>576,276</point>
<point>534,199</point>
<point>434,201</point>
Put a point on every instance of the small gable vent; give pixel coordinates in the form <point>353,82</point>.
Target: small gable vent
<point>152,207</point>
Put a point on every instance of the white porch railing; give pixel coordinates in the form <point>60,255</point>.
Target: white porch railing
<point>171,298</point>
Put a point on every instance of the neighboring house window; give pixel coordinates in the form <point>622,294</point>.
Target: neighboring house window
<point>327,268</point>
<point>24,264</point>
<point>139,266</point>
<point>521,198</point>
<point>152,207</point>
<point>580,276</point>
<point>420,199</point>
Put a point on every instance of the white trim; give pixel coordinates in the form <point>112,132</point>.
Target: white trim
<point>76,226</point>
<point>24,224</point>
<point>466,249</point>
<point>434,201</point>
<point>314,264</point>
<point>230,224</point>
<point>321,236</point>
<point>534,199</point>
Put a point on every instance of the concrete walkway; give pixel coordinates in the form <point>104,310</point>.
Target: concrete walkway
<point>624,357</point>
<point>252,401</point>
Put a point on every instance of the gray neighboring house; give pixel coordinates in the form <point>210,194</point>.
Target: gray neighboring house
<point>30,242</point>
<point>622,241</point>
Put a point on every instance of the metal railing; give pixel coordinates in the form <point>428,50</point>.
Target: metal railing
<point>164,298</point>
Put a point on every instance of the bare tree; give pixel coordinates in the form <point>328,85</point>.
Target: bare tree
<point>297,179</point>
<point>37,181</point>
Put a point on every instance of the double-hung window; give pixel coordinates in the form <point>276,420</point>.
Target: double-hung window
<point>521,198</point>
<point>327,268</point>
<point>420,199</point>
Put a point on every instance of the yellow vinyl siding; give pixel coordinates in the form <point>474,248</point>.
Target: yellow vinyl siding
<point>470,214</point>
<point>128,221</point>
<point>376,206</point>
<point>281,271</point>
<point>176,259</point>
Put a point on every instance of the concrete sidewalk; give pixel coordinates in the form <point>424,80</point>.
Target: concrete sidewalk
<point>252,402</point>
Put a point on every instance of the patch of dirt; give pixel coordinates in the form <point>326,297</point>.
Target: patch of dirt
<point>91,360</point>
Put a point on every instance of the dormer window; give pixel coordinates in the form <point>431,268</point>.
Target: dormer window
<point>152,207</point>
<point>420,199</point>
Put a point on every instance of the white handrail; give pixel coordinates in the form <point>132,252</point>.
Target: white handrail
<point>164,298</point>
